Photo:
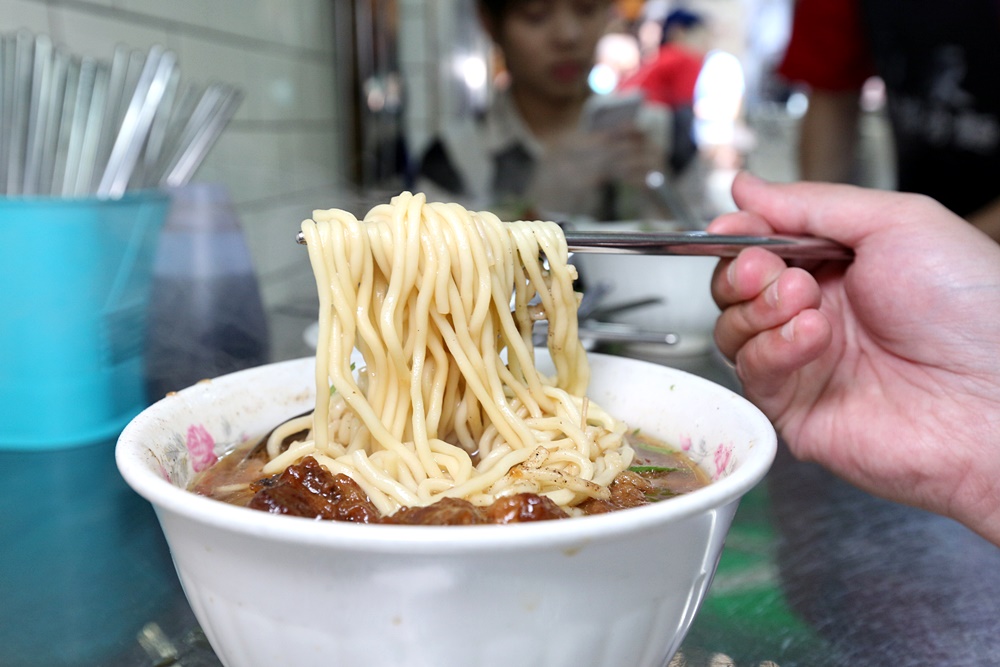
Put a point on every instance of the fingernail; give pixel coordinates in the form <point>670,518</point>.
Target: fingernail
<point>731,273</point>
<point>788,331</point>
<point>771,294</point>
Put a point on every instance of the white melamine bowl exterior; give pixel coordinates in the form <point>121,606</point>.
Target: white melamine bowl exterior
<point>601,591</point>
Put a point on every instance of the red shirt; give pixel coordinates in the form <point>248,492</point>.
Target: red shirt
<point>827,49</point>
<point>669,78</point>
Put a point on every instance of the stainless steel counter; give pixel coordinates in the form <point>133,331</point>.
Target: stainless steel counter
<point>815,573</point>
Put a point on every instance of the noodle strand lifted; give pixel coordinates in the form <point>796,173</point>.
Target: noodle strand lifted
<point>440,302</point>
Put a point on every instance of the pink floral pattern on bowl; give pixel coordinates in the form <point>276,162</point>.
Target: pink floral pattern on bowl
<point>723,459</point>
<point>201,447</point>
<point>718,461</point>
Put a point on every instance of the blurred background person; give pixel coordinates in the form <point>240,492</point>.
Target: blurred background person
<point>938,62</point>
<point>670,77</point>
<point>537,150</point>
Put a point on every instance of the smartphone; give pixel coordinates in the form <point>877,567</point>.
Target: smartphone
<point>609,112</point>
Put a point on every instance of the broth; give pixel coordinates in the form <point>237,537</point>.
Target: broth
<point>658,472</point>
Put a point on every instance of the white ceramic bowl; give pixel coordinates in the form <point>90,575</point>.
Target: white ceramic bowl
<point>608,590</point>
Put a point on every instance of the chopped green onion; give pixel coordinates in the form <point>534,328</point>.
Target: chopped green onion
<point>651,469</point>
<point>662,494</point>
<point>333,390</point>
<point>653,448</point>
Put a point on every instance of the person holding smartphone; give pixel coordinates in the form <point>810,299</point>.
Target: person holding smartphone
<point>539,150</point>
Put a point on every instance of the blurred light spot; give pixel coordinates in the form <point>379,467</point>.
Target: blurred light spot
<point>620,52</point>
<point>472,69</point>
<point>873,94</point>
<point>374,95</point>
<point>797,104</point>
<point>603,79</point>
<point>718,98</point>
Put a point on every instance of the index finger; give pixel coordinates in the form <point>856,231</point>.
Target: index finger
<point>740,222</point>
<point>844,213</point>
<point>745,277</point>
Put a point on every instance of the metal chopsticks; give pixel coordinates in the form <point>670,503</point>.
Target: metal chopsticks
<point>76,126</point>
<point>696,244</point>
<point>703,244</point>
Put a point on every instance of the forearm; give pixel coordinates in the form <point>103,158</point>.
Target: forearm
<point>828,137</point>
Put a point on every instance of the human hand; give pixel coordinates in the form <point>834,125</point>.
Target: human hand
<point>568,178</point>
<point>629,155</point>
<point>622,155</point>
<point>885,370</point>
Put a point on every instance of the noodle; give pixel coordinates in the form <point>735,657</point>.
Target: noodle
<point>449,402</point>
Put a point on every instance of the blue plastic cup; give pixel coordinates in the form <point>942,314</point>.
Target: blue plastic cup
<point>75,280</point>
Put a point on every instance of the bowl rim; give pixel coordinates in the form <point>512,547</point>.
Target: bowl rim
<point>132,461</point>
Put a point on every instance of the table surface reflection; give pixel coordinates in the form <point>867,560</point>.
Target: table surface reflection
<point>815,573</point>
